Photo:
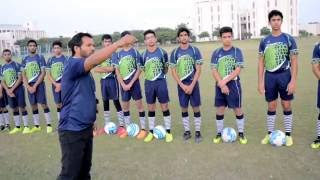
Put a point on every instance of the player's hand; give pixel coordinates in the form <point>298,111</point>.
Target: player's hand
<point>225,90</point>
<point>33,89</point>
<point>125,87</point>
<point>126,40</point>
<point>11,95</point>
<point>222,83</point>
<point>10,91</point>
<point>261,88</point>
<point>183,87</point>
<point>189,89</point>
<point>291,88</point>
<point>57,87</point>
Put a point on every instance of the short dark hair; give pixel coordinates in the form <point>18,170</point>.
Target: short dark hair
<point>225,29</point>
<point>106,36</point>
<point>183,29</point>
<point>275,13</point>
<point>149,31</point>
<point>32,41</point>
<point>125,33</point>
<point>76,40</point>
<point>57,43</point>
<point>6,50</point>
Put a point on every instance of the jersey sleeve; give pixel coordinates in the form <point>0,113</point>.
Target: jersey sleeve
<point>239,58</point>
<point>173,59</point>
<point>198,57</point>
<point>261,47</point>
<point>316,54</point>
<point>293,46</point>
<point>115,60</point>
<point>214,60</point>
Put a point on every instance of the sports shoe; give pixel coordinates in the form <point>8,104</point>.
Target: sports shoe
<point>169,137</point>
<point>217,139</point>
<point>35,129</point>
<point>26,130</point>
<point>266,139</point>
<point>15,130</point>
<point>2,128</point>
<point>289,141</point>
<point>186,135</point>
<point>49,129</point>
<point>243,139</point>
<point>315,144</point>
<point>142,134</point>
<point>149,137</point>
<point>198,137</point>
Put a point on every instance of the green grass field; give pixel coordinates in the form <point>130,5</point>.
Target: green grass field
<point>37,156</point>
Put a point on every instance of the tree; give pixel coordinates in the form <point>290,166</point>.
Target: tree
<point>265,31</point>
<point>216,32</point>
<point>204,34</point>
<point>165,34</point>
<point>304,33</point>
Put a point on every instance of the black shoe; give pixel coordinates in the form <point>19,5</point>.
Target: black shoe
<point>7,128</point>
<point>198,137</point>
<point>186,135</point>
<point>2,127</point>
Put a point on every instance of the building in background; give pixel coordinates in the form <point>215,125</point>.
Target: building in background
<point>10,33</point>
<point>246,17</point>
<point>312,27</point>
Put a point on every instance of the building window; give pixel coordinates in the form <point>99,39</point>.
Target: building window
<point>231,7</point>
<point>253,15</point>
<point>291,31</point>
<point>291,2</point>
<point>275,3</point>
<point>291,20</point>
<point>218,17</point>
<point>291,11</point>
<point>232,16</point>
<point>268,3</point>
<point>253,5</point>
<point>218,8</point>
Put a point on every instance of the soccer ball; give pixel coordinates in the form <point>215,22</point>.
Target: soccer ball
<point>229,135</point>
<point>110,128</point>
<point>133,129</point>
<point>159,132</point>
<point>277,138</point>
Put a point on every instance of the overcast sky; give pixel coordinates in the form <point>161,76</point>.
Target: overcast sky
<point>64,17</point>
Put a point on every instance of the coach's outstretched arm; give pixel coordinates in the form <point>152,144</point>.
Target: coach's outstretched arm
<point>101,55</point>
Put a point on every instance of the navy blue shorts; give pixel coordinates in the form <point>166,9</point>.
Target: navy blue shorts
<point>134,92</point>
<point>233,100</point>
<point>277,83</point>
<point>4,100</point>
<point>156,89</point>
<point>19,99</point>
<point>56,95</point>
<point>39,96</point>
<point>318,99</point>
<point>109,89</point>
<point>194,97</point>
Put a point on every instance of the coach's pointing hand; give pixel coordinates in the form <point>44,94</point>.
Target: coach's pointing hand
<point>126,40</point>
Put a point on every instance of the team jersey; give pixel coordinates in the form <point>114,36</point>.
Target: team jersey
<point>225,62</point>
<point>10,73</point>
<point>56,65</point>
<point>108,63</point>
<point>277,51</point>
<point>316,54</point>
<point>185,61</point>
<point>127,62</point>
<point>32,66</point>
<point>154,64</point>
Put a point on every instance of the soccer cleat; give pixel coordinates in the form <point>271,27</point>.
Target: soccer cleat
<point>149,137</point>
<point>198,137</point>
<point>217,139</point>
<point>243,139</point>
<point>35,129</point>
<point>121,132</point>
<point>2,128</point>
<point>186,135</point>
<point>169,137</point>
<point>289,141</point>
<point>7,127</point>
<point>266,139</point>
<point>49,129</point>
<point>142,134</point>
<point>26,130</point>
<point>15,130</point>
<point>315,144</point>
